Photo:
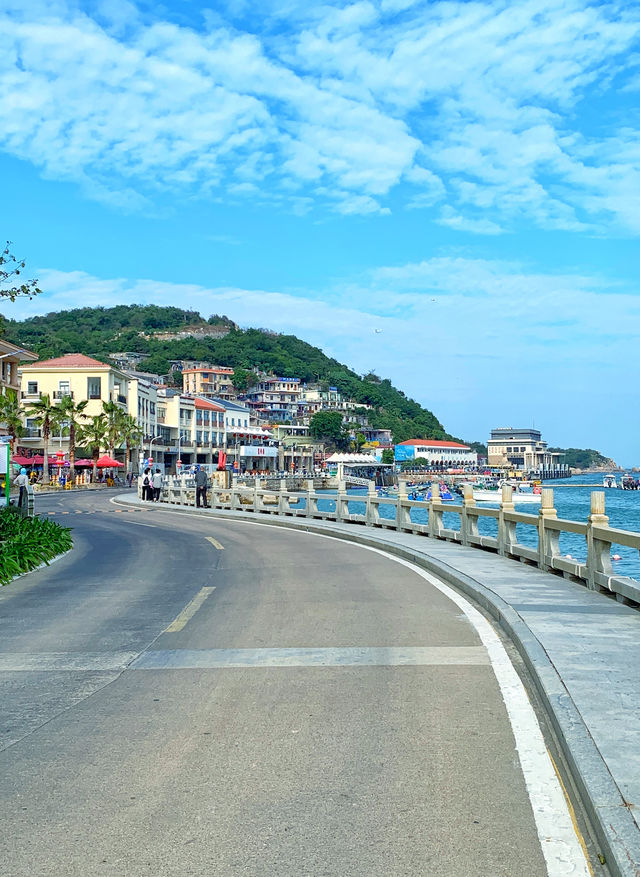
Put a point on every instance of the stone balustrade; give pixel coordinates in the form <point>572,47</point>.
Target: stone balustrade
<point>395,513</point>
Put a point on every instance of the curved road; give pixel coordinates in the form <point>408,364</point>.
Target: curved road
<point>182,696</point>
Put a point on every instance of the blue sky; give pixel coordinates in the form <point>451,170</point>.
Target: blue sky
<point>464,176</point>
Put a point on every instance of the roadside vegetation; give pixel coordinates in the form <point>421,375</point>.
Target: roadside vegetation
<point>25,543</point>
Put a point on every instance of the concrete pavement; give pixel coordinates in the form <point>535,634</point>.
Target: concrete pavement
<point>388,751</point>
<point>582,651</point>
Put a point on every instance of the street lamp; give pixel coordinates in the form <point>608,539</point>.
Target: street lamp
<point>152,441</point>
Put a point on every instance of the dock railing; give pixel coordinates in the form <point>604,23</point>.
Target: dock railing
<point>394,513</point>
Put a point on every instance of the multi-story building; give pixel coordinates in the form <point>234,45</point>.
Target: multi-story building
<point>209,429</point>
<point>210,381</point>
<point>249,448</point>
<point>521,449</point>
<point>11,357</point>
<point>276,399</point>
<point>143,405</point>
<point>439,454</point>
<point>78,376</point>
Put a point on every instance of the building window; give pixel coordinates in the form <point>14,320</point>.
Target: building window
<point>94,390</point>
<point>32,387</point>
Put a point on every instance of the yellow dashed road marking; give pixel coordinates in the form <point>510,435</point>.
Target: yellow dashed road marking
<point>189,610</point>
<point>215,543</point>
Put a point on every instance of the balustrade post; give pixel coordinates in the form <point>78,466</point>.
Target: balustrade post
<point>548,540</point>
<point>598,550</point>
<point>468,522</point>
<point>309,497</point>
<point>371,514</point>
<point>342,508</point>
<point>283,503</point>
<point>435,517</point>
<point>257,498</point>
<point>506,529</point>
<point>403,512</point>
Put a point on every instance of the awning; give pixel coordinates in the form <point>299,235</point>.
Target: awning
<point>355,459</point>
<point>257,432</point>
<point>107,462</point>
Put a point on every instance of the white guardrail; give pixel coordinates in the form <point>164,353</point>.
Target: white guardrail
<point>597,573</point>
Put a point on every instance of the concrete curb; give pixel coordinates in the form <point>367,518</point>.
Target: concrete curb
<point>603,802</point>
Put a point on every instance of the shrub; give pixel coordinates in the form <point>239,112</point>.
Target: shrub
<point>25,543</point>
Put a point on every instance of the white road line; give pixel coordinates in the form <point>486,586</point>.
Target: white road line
<point>189,610</point>
<point>140,524</point>
<point>358,656</point>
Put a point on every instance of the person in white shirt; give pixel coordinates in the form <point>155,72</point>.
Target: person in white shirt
<point>21,480</point>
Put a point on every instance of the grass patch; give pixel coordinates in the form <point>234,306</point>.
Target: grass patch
<point>25,543</point>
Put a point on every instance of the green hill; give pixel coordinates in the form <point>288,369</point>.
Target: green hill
<point>100,331</point>
<point>585,458</point>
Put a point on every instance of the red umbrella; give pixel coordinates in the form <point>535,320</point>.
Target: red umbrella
<point>38,460</point>
<point>21,461</point>
<point>83,463</point>
<point>108,462</point>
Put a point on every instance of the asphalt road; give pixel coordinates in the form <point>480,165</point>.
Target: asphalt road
<point>183,696</point>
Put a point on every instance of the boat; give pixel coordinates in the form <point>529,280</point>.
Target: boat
<point>523,492</point>
<point>628,482</point>
<point>609,481</point>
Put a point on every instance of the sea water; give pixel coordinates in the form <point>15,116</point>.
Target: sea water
<point>572,500</point>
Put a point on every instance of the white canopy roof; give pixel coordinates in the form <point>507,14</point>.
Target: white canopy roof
<point>352,458</point>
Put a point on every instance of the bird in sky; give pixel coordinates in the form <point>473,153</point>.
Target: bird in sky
<point>377,331</point>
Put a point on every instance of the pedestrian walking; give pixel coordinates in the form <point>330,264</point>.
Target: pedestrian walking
<point>201,488</point>
<point>147,485</point>
<point>157,485</point>
<point>130,478</point>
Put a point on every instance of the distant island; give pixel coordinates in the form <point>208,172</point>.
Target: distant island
<point>586,459</point>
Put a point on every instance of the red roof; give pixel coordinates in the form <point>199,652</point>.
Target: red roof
<point>69,360</point>
<point>205,403</point>
<point>434,443</point>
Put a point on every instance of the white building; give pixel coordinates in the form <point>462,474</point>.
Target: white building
<point>440,454</point>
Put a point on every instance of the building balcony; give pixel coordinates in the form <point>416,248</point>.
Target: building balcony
<point>63,394</point>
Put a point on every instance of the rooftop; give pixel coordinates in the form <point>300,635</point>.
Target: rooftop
<point>434,443</point>
<point>69,360</point>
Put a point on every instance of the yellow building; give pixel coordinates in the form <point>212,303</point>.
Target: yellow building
<point>213,381</point>
<point>75,375</point>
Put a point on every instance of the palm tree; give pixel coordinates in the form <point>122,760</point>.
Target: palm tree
<point>11,416</point>
<point>131,434</point>
<point>114,418</point>
<point>94,436</point>
<point>72,414</point>
<point>46,415</point>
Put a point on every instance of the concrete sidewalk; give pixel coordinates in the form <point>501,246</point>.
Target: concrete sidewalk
<point>581,648</point>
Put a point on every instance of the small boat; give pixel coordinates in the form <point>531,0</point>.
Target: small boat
<point>609,481</point>
<point>523,492</point>
<point>445,494</point>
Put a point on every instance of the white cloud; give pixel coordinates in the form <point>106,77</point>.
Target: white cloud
<point>466,223</point>
<point>473,103</point>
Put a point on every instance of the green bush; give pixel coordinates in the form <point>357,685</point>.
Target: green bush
<point>25,543</point>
